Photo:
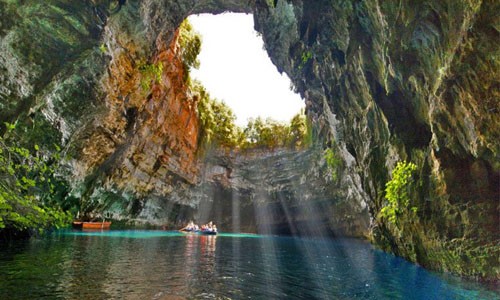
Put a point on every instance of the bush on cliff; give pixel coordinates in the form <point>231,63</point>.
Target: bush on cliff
<point>333,161</point>
<point>397,192</point>
<point>27,187</point>
<point>190,47</point>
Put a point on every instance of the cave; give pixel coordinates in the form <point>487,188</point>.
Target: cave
<point>385,85</point>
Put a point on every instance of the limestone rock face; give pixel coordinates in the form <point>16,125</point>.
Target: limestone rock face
<point>281,192</point>
<point>118,102</point>
<point>383,81</point>
<point>407,81</point>
<point>149,132</point>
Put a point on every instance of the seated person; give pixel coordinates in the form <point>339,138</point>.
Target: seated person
<point>189,227</point>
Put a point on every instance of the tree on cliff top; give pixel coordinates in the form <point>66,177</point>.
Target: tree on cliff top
<point>190,46</point>
<point>217,120</point>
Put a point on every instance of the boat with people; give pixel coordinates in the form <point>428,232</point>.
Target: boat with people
<point>208,232</point>
<point>190,227</point>
<point>207,229</point>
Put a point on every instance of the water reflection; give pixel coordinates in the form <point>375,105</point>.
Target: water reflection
<point>119,265</point>
<point>206,271</point>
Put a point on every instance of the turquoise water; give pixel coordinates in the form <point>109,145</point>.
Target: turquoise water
<point>173,265</point>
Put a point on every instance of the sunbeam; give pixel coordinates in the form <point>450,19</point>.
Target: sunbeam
<point>249,149</point>
<point>235,210</point>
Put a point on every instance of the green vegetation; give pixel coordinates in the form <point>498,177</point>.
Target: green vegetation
<point>265,134</point>
<point>397,192</point>
<point>103,48</point>
<point>271,3</point>
<point>190,46</point>
<point>302,130</point>
<point>217,120</point>
<point>218,128</point>
<point>449,239</point>
<point>150,73</point>
<point>271,134</point>
<point>28,185</point>
<point>333,161</point>
<point>305,57</point>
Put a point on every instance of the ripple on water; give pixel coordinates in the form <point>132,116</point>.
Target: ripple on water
<point>171,265</point>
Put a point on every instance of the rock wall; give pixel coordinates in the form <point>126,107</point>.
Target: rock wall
<point>147,138</point>
<point>406,81</point>
<point>279,192</point>
<point>383,81</point>
<point>118,103</point>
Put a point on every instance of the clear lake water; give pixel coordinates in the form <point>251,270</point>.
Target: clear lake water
<point>134,264</point>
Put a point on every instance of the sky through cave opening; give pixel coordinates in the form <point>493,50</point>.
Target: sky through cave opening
<point>235,68</point>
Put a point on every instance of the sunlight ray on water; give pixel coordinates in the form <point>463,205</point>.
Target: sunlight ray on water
<point>235,210</point>
<point>206,204</point>
<point>267,248</point>
<point>237,265</point>
<point>137,264</point>
<point>288,216</point>
<point>320,233</point>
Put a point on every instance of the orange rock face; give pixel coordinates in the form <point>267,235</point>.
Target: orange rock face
<point>149,134</point>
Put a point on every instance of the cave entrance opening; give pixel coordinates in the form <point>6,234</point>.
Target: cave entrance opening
<point>236,69</point>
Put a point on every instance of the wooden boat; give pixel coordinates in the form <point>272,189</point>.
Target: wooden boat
<point>91,225</point>
<point>96,225</point>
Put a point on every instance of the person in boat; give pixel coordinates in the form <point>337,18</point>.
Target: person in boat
<point>210,227</point>
<point>206,227</point>
<point>190,227</point>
